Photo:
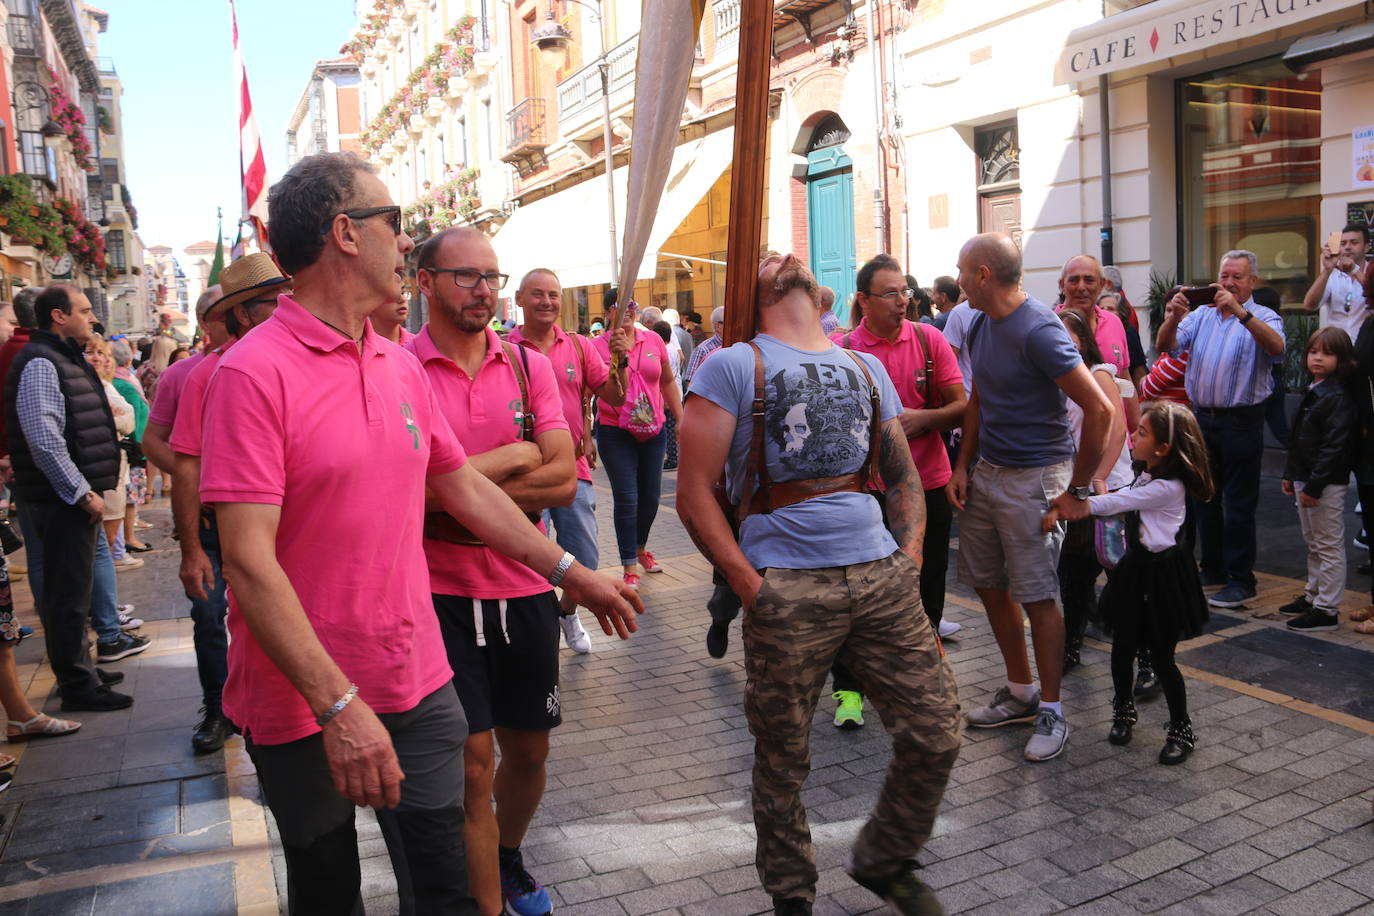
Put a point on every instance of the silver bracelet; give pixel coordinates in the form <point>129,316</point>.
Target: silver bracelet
<point>338,707</point>
<point>562,568</point>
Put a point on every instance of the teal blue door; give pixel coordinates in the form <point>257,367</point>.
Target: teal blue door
<point>830,223</point>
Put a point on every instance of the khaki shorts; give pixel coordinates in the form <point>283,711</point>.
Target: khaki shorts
<point>1001,546</point>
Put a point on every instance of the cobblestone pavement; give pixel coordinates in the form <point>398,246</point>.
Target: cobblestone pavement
<point>647,808</point>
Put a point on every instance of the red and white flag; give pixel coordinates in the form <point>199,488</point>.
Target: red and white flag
<point>252,166</point>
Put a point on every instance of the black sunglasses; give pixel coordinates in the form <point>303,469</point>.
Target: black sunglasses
<point>392,213</point>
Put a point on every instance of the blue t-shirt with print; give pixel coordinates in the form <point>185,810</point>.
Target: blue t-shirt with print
<point>818,422</point>
<point>1022,418</point>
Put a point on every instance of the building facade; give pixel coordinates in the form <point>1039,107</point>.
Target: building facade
<point>112,206</point>
<point>328,116</point>
<point>896,127</point>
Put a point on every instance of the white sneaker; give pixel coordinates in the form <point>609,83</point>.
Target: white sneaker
<point>127,563</point>
<point>1050,735</point>
<point>574,635</point>
<point>948,628</point>
<point>127,620</point>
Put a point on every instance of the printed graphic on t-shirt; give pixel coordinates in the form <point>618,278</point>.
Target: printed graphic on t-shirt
<point>818,420</point>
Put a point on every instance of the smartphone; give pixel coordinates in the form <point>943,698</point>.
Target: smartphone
<point>1333,243</point>
<point>1200,295</point>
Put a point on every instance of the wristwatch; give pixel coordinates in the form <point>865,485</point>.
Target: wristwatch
<point>83,500</point>
<point>1248,315</point>
<point>1080,493</point>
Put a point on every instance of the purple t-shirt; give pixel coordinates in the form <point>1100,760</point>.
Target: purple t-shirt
<point>169,385</point>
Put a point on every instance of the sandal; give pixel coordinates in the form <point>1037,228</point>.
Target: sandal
<point>1364,613</point>
<point>40,726</point>
<point>138,548</point>
<point>141,525</point>
<point>1365,626</point>
<point>6,761</point>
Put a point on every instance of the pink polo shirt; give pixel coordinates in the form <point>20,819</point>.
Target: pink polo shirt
<point>169,385</point>
<point>647,359</point>
<point>295,417</point>
<point>574,375</point>
<point>186,430</point>
<point>486,413</point>
<point>1111,340</point>
<point>905,363</point>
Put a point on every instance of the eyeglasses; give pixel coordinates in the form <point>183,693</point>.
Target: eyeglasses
<point>468,278</point>
<point>894,295</point>
<point>392,213</point>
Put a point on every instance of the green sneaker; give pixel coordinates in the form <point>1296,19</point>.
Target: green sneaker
<point>850,712</point>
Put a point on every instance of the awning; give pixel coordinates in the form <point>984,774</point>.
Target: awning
<point>566,232</point>
<point>1157,31</point>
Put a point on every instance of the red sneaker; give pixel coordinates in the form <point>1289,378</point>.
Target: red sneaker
<point>632,580</point>
<point>646,560</point>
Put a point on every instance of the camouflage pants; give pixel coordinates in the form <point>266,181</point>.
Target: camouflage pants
<point>869,616</point>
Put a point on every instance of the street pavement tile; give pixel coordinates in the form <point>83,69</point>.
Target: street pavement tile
<point>205,891</point>
<point>1361,877</point>
<point>1160,891</point>
<point>1301,869</point>
<point>1290,838</point>
<point>56,903</point>
<point>1226,865</point>
<point>1162,856</point>
<point>1089,885</point>
<point>1243,895</point>
<point>44,762</point>
<point>1321,899</point>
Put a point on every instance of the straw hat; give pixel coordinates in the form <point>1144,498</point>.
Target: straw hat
<point>243,279</point>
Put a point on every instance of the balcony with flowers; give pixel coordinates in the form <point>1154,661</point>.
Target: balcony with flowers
<point>68,115</point>
<point>437,77</point>
<point>452,203</point>
<point>372,29</point>
<point>54,228</point>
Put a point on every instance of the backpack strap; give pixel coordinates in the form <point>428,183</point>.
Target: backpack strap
<point>520,368</point>
<point>875,431</point>
<point>755,468</point>
<point>927,380</point>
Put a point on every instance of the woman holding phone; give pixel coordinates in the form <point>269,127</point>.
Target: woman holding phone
<point>632,442</point>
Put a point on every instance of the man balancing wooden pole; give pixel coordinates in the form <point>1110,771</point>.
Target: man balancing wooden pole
<point>801,430</point>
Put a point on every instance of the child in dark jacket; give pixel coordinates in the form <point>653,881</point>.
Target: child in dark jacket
<point>1320,454</point>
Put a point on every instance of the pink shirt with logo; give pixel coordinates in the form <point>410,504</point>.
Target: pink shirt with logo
<point>647,359</point>
<point>574,374</point>
<point>905,363</point>
<point>169,385</point>
<point>486,412</point>
<point>342,442</point>
<point>1111,340</point>
<point>186,430</point>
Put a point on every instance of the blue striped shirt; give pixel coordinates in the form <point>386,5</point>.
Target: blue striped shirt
<point>1227,366</point>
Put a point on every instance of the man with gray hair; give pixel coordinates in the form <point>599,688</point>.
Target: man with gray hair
<point>1233,343</point>
<point>706,347</point>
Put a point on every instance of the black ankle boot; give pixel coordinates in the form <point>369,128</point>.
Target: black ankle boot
<point>1178,742</point>
<point>1123,718</point>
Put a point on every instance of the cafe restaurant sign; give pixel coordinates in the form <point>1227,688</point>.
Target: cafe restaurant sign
<point>1166,28</point>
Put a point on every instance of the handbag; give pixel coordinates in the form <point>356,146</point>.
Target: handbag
<point>637,415</point>
<point>1109,539</point>
<point>10,541</point>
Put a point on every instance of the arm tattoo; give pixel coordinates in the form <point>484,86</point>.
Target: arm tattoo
<point>906,502</point>
<point>702,545</point>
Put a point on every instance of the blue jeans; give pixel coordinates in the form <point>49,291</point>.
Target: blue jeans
<point>1226,525</point>
<point>207,617</point>
<point>575,526</point>
<point>636,472</point>
<point>104,594</point>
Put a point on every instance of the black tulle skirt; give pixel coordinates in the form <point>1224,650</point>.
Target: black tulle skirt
<point>1160,590</point>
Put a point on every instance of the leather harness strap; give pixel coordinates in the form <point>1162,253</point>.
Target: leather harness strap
<point>760,496</point>
<point>440,526</point>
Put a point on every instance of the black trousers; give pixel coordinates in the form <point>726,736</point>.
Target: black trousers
<point>423,834</point>
<point>934,568</point>
<point>68,539</point>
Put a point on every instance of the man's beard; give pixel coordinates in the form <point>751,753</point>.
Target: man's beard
<point>465,319</point>
<point>787,280</point>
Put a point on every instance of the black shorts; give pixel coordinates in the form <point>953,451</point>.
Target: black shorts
<point>510,680</point>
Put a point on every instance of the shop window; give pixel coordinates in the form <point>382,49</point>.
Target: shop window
<point>1250,177</point>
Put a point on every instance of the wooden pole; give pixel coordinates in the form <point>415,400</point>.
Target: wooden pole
<point>749,172</point>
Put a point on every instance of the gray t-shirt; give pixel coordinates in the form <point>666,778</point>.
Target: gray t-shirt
<point>955,330</point>
<point>818,423</point>
<point>1022,418</point>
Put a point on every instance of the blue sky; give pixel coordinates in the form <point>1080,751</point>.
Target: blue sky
<point>181,105</point>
